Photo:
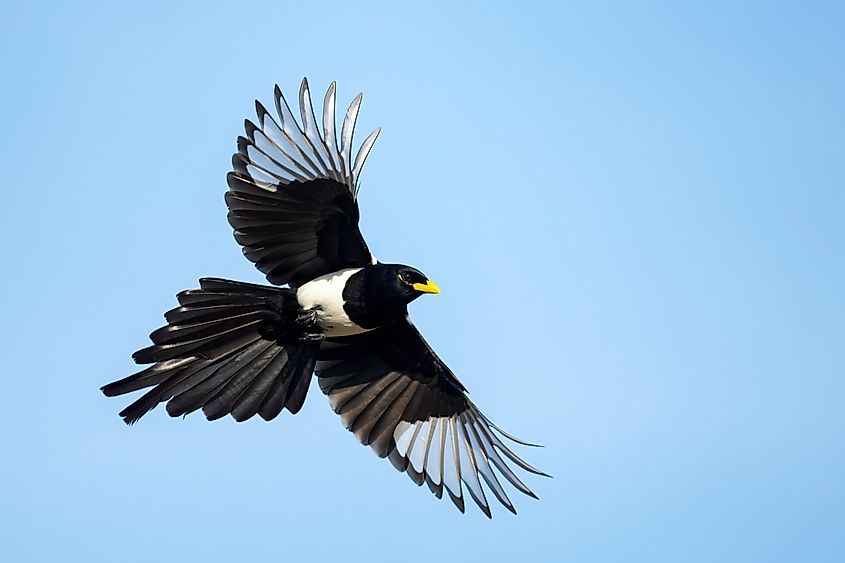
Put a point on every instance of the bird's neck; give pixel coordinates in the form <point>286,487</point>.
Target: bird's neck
<point>369,302</point>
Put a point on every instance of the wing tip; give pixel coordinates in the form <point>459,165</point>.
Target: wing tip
<point>457,501</point>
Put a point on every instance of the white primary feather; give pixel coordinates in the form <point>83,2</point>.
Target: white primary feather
<point>288,150</point>
<point>462,449</point>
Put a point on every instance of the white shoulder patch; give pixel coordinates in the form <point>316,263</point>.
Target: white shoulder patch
<point>325,296</point>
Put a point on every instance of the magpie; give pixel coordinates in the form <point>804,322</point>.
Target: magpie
<point>240,349</point>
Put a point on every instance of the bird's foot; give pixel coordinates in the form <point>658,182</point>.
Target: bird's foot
<point>307,318</point>
<point>312,337</point>
<point>307,321</point>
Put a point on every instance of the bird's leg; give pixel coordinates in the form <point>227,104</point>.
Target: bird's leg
<point>312,337</point>
<point>307,318</point>
<point>307,321</point>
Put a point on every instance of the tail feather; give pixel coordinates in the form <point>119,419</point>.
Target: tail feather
<point>204,312</point>
<point>231,287</point>
<point>252,398</point>
<point>153,375</point>
<point>202,394</point>
<point>229,348</point>
<point>217,343</point>
<point>205,328</point>
<point>225,399</point>
<point>166,390</point>
<point>289,390</point>
<point>305,358</point>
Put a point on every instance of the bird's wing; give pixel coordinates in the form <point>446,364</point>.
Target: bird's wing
<point>292,193</point>
<point>394,393</point>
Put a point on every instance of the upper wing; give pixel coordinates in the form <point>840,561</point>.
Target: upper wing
<point>292,194</point>
<point>397,396</point>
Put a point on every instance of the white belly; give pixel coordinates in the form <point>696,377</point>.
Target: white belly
<point>325,296</point>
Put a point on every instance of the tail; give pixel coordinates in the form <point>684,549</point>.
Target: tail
<point>230,347</point>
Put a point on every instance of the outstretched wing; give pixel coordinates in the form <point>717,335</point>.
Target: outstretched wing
<point>292,194</point>
<point>394,393</point>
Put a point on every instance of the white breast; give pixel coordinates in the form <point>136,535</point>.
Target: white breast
<point>325,296</point>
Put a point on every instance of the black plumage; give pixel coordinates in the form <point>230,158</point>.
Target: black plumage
<point>244,349</point>
<point>226,349</point>
<point>297,234</point>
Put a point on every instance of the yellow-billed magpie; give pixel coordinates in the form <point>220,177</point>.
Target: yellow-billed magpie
<point>244,349</point>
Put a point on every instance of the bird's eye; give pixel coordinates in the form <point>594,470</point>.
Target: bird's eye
<point>405,277</point>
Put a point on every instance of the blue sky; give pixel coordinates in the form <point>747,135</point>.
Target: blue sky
<point>635,212</point>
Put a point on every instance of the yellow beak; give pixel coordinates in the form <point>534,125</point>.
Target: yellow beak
<point>427,287</point>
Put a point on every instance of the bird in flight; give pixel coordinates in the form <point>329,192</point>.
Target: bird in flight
<point>240,349</point>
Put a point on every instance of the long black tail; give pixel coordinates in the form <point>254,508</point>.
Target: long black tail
<point>230,347</point>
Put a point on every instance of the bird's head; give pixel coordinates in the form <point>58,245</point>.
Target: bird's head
<point>407,283</point>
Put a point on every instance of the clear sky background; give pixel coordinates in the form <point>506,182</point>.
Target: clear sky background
<point>636,214</point>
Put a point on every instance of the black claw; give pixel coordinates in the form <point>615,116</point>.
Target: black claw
<point>312,337</point>
<point>307,319</point>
